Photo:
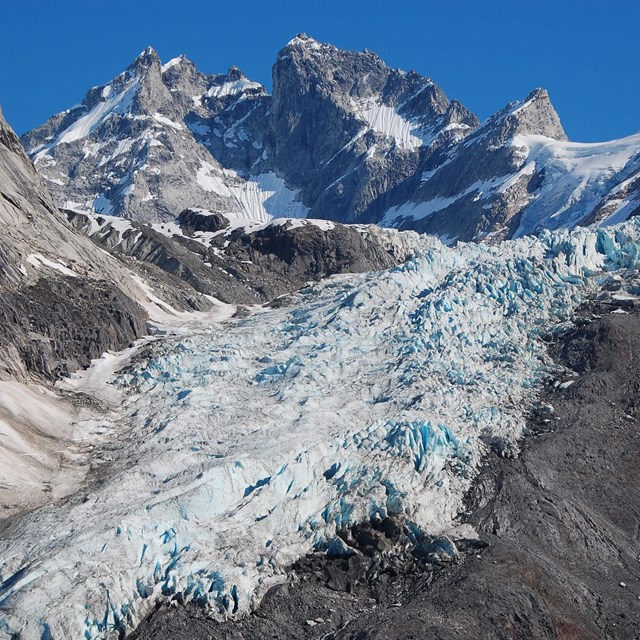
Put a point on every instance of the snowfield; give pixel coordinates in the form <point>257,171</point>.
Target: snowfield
<point>577,177</point>
<point>231,449</point>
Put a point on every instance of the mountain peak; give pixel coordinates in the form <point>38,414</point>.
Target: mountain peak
<point>302,39</point>
<point>174,62</point>
<point>305,45</point>
<point>539,93</point>
<point>536,115</point>
<point>235,73</point>
<point>144,61</point>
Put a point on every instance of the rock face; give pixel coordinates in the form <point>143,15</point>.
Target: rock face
<point>348,129</point>
<point>142,146</point>
<point>249,263</point>
<point>343,137</point>
<point>58,325</point>
<point>59,304</point>
<point>128,148</point>
<point>483,185</point>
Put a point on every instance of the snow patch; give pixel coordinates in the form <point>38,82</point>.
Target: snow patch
<point>37,260</point>
<point>113,103</point>
<point>166,121</point>
<point>577,177</point>
<point>388,121</point>
<point>172,63</point>
<point>260,197</point>
<point>232,88</point>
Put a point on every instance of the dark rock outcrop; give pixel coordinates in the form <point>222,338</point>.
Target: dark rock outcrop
<point>245,266</point>
<point>58,325</point>
<point>51,323</point>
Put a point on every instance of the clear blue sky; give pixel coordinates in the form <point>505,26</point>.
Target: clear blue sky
<point>485,53</point>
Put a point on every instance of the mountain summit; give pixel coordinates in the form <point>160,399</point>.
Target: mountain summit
<point>343,137</point>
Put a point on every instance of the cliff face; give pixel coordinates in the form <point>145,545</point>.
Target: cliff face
<point>60,305</point>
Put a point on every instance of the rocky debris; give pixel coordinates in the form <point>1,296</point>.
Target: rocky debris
<point>364,568</point>
<point>558,550</point>
<point>245,265</point>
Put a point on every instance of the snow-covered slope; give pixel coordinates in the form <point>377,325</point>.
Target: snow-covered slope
<point>577,180</point>
<point>517,174</point>
<point>233,450</point>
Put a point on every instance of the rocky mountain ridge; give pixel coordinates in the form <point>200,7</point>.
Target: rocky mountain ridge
<point>248,263</point>
<point>343,137</point>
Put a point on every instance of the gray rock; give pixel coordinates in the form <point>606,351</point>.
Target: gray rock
<point>243,266</point>
<point>341,130</point>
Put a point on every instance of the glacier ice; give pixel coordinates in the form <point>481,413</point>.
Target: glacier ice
<point>238,446</point>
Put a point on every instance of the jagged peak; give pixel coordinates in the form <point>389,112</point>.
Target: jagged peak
<point>174,62</point>
<point>8,137</point>
<point>147,54</point>
<point>235,73</point>
<point>305,45</point>
<point>458,113</point>
<point>144,61</point>
<point>538,93</point>
<point>233,82</point>
<point>302,39</point>
<point>535,115</point>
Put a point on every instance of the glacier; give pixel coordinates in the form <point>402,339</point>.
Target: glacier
<point>229,449</point>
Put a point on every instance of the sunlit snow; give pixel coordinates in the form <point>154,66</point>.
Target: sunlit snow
<point>576,178</point>
<point>259,197</point>
<point>388,121</point>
